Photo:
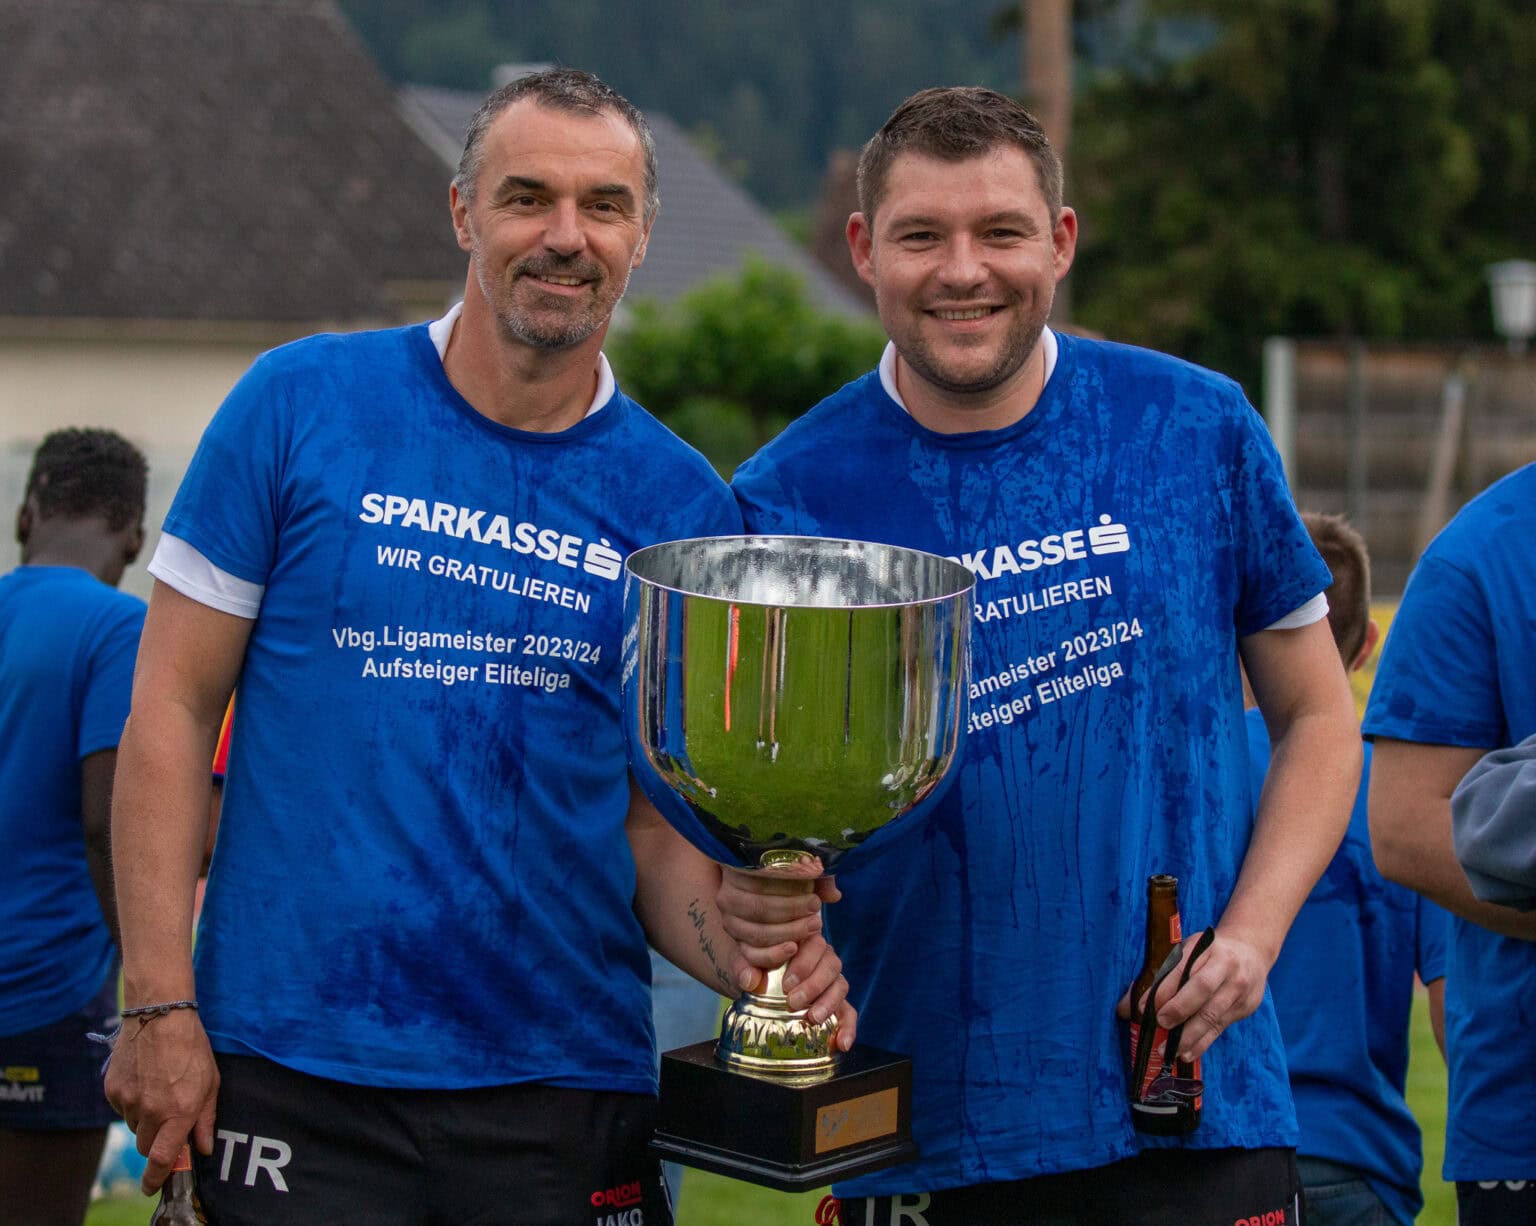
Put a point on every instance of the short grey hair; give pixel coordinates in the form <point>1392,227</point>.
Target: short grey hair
<point>561,89</point>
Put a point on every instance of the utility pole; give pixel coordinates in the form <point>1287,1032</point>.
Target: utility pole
<point>1046,64</point>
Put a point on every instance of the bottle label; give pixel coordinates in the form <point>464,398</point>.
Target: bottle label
<point>1154,1059</point>
<point>1155,1063</point>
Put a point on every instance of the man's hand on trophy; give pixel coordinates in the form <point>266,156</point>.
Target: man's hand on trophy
<point>771,911</point>
<point>775,918</point>
<point>813,981</point>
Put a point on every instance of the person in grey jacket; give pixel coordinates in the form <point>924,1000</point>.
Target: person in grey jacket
<point>1493,823</point>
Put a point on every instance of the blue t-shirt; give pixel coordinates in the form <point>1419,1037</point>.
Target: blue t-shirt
<point>1123,534</point>
<point>422,877</point>
<point>1457,669</point>
<point>67,646</point>
<point>1343,990</point>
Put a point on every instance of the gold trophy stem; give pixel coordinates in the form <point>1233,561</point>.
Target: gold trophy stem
<point>760,1033</point>
<point>774,988</point>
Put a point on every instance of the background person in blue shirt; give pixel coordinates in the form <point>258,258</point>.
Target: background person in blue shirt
<point>1343,984</point>
<point>1454,682</point>
<point>67,645</point>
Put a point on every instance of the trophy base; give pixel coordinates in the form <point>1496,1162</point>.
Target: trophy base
<point>790,1134</point>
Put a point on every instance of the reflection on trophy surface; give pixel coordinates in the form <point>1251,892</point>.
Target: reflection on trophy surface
<point>789,699</point>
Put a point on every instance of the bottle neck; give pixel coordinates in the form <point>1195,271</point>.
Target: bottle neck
<point>1162,925</point>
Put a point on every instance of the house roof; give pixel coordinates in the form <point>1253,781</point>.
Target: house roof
<point>707,226</point>
<point>239,160</point>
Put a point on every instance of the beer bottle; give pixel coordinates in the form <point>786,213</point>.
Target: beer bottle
<point>179,1205</point>
<point>1165,1101</point>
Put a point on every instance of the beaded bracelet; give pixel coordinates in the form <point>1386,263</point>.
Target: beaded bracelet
<point>148,1011</point>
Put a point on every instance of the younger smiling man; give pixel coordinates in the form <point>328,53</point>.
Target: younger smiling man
<point>1015,913</point>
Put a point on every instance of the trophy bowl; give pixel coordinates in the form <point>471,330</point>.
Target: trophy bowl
<point>789,699</point>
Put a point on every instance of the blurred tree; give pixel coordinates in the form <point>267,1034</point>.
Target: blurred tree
<point>1304,167</point>
<point>1317,167</point>
<point>778,86</point>
<point>734,361</point>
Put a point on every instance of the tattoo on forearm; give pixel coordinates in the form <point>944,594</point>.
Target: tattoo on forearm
<point>699,918</point>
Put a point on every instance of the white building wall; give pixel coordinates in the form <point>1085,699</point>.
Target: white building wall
<point>159,394</point>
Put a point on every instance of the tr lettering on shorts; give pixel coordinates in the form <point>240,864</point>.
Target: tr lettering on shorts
<point>267,1156</point>
<point>878,1211</point>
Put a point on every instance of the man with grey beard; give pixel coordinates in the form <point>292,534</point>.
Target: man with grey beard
<point>420,985</point>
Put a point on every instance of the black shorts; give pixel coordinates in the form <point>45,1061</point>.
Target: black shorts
<point>50,1078</point>
<point>1496,1202</point>
<point>307,1151</point>
<point>1165,1187</point>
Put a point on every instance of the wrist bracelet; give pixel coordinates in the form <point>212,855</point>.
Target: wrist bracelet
<point>147,1011</point>
<point>146,1014</point>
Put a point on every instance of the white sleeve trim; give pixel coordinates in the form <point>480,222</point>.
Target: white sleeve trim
<point>1313,611</point>
<point>178,565</point>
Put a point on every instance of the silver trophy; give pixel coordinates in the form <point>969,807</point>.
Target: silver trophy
<point>790,699</point>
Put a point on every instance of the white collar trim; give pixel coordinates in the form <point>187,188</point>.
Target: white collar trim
<point>441,331</point>
<point>888,366</point>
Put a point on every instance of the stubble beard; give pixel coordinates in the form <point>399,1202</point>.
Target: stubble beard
<point>1017,348</point>
<point>546,330</point>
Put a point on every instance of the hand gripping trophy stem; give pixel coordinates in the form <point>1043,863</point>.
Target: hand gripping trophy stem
<point>760,1032</point>
<point>787,700</point>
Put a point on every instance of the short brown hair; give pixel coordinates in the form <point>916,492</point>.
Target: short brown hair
<point>957,122</point>
<point>561,89</point>
<point>1349,595</point>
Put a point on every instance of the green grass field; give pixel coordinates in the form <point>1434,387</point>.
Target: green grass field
<point>1426,1095</point>
<point>709,1200</point>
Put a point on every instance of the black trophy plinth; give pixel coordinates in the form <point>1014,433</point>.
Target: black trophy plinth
<point>787,1136</point>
